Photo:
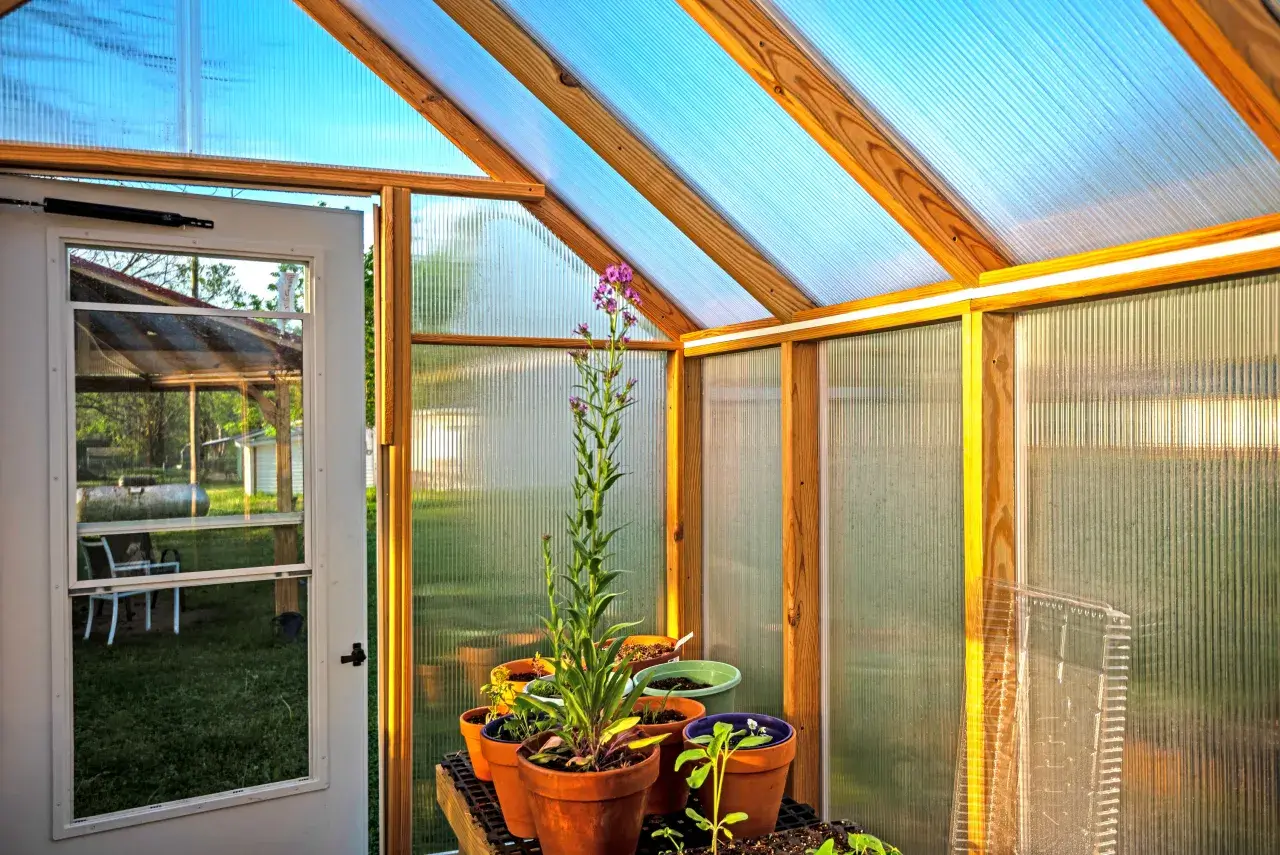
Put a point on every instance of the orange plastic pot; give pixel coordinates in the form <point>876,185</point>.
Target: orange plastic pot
<point>754,777</point>
<point>638,665</point>
<point>587,813</point>
<point>671,791</point>
<point>507,781</point>
<point>471,734</point>
<point>517,666</point>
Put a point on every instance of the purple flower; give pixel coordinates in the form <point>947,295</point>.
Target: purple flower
<point>631,295</point>
<point>624,272</point>
<point>583,330</point>
<point>612,273</point>
<point>631,383</point>
<point>578,406</point>
<point>578,355</point>
<point>628,318</point>
<point>626,339</point>
<point>610,305</point>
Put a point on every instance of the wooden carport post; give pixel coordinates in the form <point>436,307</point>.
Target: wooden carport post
<point>286,536</point>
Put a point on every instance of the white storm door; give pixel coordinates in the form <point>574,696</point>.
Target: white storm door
<point>182,528</point>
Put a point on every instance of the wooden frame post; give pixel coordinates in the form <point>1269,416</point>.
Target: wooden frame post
<point>393,345</point>
<point>684,501</point>
<point>801,566</point>
<point>989,543</point>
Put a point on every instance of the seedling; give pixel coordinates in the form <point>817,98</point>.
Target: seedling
<point>715,750</point>
<point>859,844</point>
<point>673,837</point>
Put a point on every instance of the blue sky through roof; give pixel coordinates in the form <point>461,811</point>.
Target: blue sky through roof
<point>675,87</point>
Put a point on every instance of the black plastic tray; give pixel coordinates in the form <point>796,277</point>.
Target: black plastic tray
<point>483,803</point>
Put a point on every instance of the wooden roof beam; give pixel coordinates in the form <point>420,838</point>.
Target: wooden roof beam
<point>1236,43</point>
<point>784,70</point>
<point>434,106</point>
<point>7,6</point>
<point>506,41</point>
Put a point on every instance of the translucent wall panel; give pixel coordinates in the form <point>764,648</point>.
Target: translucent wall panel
<point>1151,431</point>
<point>498,102</point>
<point>1066,125</point>
<point>671,82</point>
<point>895,581</point>
<point>487,267</point>
<point>244,78</point>
<point>492,468</point>
<point>742,521</point>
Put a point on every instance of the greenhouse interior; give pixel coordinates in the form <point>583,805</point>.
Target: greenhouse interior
<point>598,427</point>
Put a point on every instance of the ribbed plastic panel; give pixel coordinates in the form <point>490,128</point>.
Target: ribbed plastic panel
<point>236,78</point>
<point>1151,481</point>
<point>492,468</point>
<point>895,579</point>
<point>1066,126</point>
<point>488,267</point>
<point>742,521</point>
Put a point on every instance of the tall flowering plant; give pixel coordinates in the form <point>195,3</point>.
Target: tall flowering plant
<point>593,729</point>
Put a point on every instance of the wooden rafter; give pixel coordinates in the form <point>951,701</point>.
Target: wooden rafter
<point>507,42</point>
<point>487,153</point>
<point>784,70</point>
<point>7,6</point>
<point>200,169</point>
<point>1236,43</point>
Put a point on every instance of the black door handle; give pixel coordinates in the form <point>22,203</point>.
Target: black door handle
<point>356,657</point>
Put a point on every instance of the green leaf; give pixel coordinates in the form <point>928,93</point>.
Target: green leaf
<point>736,816</point>
<point>690,754</point>
<point>701,740</point>
<point>699,775</point>
<point>754,741</point>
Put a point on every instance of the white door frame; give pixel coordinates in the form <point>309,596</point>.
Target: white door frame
<point>314,814</point>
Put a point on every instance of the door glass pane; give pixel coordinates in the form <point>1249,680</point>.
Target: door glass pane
<point>211,699</point>
<point>153,278</point>
<point>151,387</point>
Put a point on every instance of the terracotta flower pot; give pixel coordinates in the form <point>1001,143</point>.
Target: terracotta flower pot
<point>506,780</point>
<point>471,734</point>
<point>587,813</point>
<point>671,791</point>
<point>754,778</point>
<point>638,665</point>
<point>518,666</point>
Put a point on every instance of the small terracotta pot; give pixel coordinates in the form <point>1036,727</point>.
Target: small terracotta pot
<point>587,813</point>
<point>638,665</point>
<point>507,781</point>
<point>754,777</point>
<point>471,733</point>
<point>671,791</point>
<point>517,666</point>
<point>477,663</point>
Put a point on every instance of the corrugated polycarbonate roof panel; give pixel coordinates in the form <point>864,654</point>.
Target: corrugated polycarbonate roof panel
<point>1066,126</point>
<point>449,57</point>
<point>678,90</point>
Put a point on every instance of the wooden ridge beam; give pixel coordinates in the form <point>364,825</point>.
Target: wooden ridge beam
<point>476,143</point>
<point>508,43</point>
<point>849,134</point>
<point>801,566</point>
<point>232,171</point>
<point>7,6</point>
<point>1236,43</point>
